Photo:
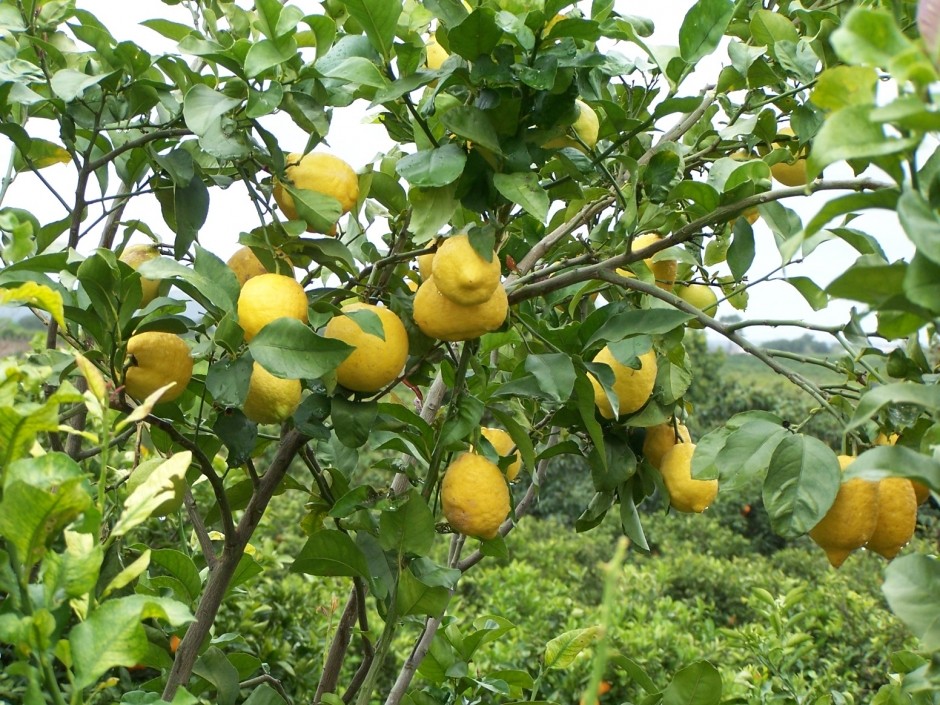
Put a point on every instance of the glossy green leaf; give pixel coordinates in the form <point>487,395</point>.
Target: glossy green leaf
<point>911,590</point>
<point>408,528</point>
<point>203,108</point>
<point>476,35</point>
<point>209,293</point>
<point>842,205</point>
<point>69,84</point>
<point>431,210</point>
<point>841,86</point>
<point>703,27</point>
<point>869,37</point>
<point>641,321</point>
<point>768,28</point>
<point>922,282</point>
<point>415,597</point>
<point>801,484</point>
<point>227,380</point>
<point>810,290</point>
<point>876,399</point>
<point>433,167</point>
<point>268,53</point>
<point>331,552</point>
<point>741,251</point>
<point>921,224</point>
<point>378,19</point>
<point>696,684</point>
<point>287,348</point>
<point>458,427</point>
<point>353,421</point>
<point>215,668</point>
<point>896,461</point>
<point>554,373</point>
<point>524,190</point>
<point>473,125</point>
<point>870,280</point>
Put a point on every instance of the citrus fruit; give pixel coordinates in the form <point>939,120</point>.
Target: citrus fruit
<point>245,263</point>
<point>921,491</point>
<point>474,496</point>
<point>142,472</point>
<point>586,126</point>
<point>375,362</point>
<point>436,54</point>
<point>792,173</point>
<point>664,271</point>
<point>318,172</point>
<point>268,297</point>
<point>897,516</point>
<point>462,275</point>
<point>439,317</point>
<point>270,399</point>
<point>702,297</point>
<point>425,265</point>
<point>751,215</point>
<point>157,359</point>
<point>633,387</point>
<point>685,493</point>
<point>502,443</point>
<point>660,439</point>
<point>136,255</point>
<point>851,519</point>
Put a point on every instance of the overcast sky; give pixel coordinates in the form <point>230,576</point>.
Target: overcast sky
<point>355,137</point>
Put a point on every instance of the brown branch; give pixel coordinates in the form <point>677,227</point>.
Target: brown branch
<point>338,647</point>
<point>270,680</point>
<point>199,528</point>
<point>135,143</point>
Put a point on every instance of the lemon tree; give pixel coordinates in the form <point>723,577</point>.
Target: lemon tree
<point>554,178</point>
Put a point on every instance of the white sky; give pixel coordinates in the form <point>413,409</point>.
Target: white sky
<point>357,140</point>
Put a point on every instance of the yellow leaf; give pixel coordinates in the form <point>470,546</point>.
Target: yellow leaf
<point>38,296</point>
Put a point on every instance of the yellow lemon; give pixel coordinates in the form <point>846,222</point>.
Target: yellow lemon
<point>921,491</point>
<point>851,519</point>
<point>664,271</point>
<point>502,443</point>
<point>426,265</point>
<point>439,317</point>
<point>436,54</point>
<point>897,516</point>
<point>792,173</point>
<point>157,359</point>
<point>245,264</point>
<point>475,496</point>
<point>375,362</point>
<point>685,493</point>
<point>268,297</point>
<point>318,172</point>
<point>136,255</point>
<point>270,399</point>
<point>586,126</point>
<point>462,275</point>
<point>702,297</point>
<point>633,387</point>
<point>660,439</point>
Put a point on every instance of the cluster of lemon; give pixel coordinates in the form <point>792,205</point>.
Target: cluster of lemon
<point>880,516</point>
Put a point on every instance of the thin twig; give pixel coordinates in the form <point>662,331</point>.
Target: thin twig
<point>199,528</point>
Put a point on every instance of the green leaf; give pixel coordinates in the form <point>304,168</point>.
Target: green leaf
<point>747,453</point>
<point>331,552</point>
<point>287,348</point>
<point>353,421</point>
<point>431,210</point>
<point>703,27</point>
<point>214,667</point>
<point>228,380</point>
<point>562,651</point>
<point>810,290</point>
<point>359,71</point>
<point>265,695</point>
<point>473,125</point>
<point>741,251</point>
<point>163,485</point>
<point>921,224</point>
<point>896,461</point>
<point>696,684</point>
<point>378,18</point>
<point>203,108</point>
<point>922,283</point>
<point>841,86</point>
<point>869,37</point>
<point>554,373</point>
<point>207,292</point>
<point>874,400</point>
<point>883,198</point>
<point>408,527</point>
<point>638,322</point>
<point>114,636</point>
<point>476,35</point>
<point>181,567</point>
<point>524,190</point>
<point>910,587</point>
<point>802,482</point>
<point>415,597</point>
<point>870,281</point>
<point>268,53</point>
<point>433,167</point>
<point>69,84</point>
<point>171,30</point>
<point>768,28</point>
<point>318,210</point>
<point>458,427</point>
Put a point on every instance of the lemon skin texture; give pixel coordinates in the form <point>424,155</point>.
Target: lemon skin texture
<point>374,363</point>
<point>660,439</point>
<point>633,387</point>
<point>426,265</point>
<point>270,399</point>
<point>156,360</point>
<point>436,54</point>
<point>136,255</point>
<point>850,521</point>
<point>475,496</point>
<point>266,298</point>
<point>685,493</point>
<point>462,275</point>
<point>246,265</point>
<point>502,442</point>
<point>664,271</point>
<point>789,174</point>
<point>439,317</point>
<point>897,517</point>
<point>701,296</point>
<point>318,172</point>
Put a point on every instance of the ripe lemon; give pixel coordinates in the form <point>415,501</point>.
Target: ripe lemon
<point>474,496</point>
<point>318,172</point>
<point>586,126</point>
<point>851,519</point>
<point>502,443</point>
<point>136,255</point>
<point>374,363</point>
<point>789,174</point>
<point>462,275</point>
<point>685,493</point>
<point>439,317</point>
<point>921,491</point>
<point>436,54</point>
<point>633,387</point>
<point>664,271</point>
<point>245,264</point>
<point>156,359</point>
<point>426,265</point>
<point>897,516</point>
<point>660,439</point>
<point>270,399</point>
<point>268,297</point>
<point>702,296</point>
